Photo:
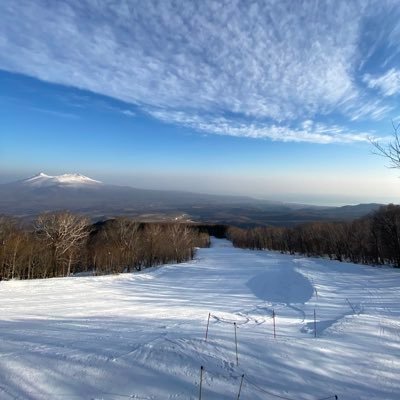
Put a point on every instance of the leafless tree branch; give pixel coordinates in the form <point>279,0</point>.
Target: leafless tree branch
<point>391,150</point>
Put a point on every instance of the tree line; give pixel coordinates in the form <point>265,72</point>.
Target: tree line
<point>61,244</point>
<point>373,239</point>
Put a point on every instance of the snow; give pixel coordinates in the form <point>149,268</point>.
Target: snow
<point>142,335</point>
<point>43,180</point>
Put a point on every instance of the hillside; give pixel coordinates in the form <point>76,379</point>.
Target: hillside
<point>142,335</point>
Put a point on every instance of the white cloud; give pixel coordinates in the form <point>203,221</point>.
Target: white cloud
<point>375,110</point>
<point>128,113</point>
<point>307,132</point>
<point>279,61</point>
<point>388,83</point>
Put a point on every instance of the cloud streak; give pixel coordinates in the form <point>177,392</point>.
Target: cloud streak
<point>308,131</point>
<point>388,83</point>
<point>251,69</point>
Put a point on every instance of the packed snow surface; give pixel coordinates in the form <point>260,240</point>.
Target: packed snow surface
<point>43,180</point>
<point>142,335</point>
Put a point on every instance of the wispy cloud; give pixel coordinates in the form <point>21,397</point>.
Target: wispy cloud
<point>388,83</point>
<point>128,113</point>
<point>369,109</point>
<point>308,131</point>
<point>266,64</point>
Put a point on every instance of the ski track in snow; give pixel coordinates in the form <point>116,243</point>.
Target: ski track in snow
<point>141,335</point>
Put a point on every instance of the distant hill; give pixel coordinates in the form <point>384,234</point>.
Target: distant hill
<point>79,193</point>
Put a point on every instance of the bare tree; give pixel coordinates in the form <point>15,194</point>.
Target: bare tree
<point>11,240</point>
<point>391,150</point>
<point>180,238</point>
<point>62,242</point>
<point>123,236</point>
<point>152,243</point>
<point>63,233</point>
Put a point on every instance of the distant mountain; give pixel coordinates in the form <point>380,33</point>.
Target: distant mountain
<point>43,180</point>
<point>79,193</point>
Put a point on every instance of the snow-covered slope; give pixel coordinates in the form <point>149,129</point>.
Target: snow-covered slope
<point>43,180</point>
<point>141,336</point>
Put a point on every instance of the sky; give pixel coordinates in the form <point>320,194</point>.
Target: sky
<point>270,99</point>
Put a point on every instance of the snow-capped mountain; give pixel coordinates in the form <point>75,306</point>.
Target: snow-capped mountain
<point>43,180</point>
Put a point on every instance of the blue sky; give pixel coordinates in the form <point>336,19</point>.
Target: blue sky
<point>273,99</point>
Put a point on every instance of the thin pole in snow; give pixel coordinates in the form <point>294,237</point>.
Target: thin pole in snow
<point>201,380</point>
<point>208,323</point>
<point>240,387</point>
<point>351,305</point>
<point>315,324</point>
<point>273,319</point>
<point>237,358</point>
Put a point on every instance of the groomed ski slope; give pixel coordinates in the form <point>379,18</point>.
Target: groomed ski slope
<point>141,335</point>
